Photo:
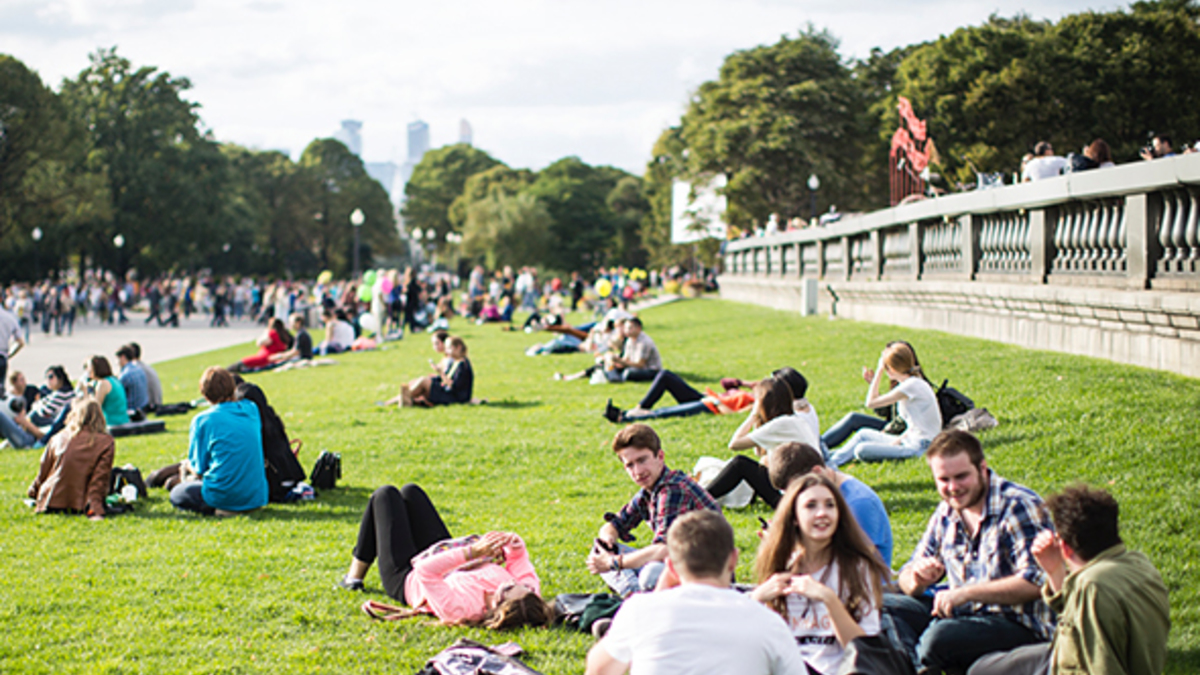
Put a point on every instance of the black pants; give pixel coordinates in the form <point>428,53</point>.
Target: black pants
<point>4,369</point>
<point>667,382</point>
<point>743,468</point>
<point>397,526</point>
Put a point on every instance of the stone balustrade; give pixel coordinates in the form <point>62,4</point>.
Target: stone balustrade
<point>1103,262</point>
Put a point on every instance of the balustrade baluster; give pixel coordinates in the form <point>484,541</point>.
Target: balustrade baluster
<point>1026,245</point>
<point>1191,234</point>
<point>1104,252</point>
<point>1093,236</point>
<point>1009,242</point>
<point>1164,231</point>
<point>1060,238</point>
<point>1119,242</point>
<point>1179,230</point>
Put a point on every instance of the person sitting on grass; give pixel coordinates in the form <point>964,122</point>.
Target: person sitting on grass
<point>771,423</point>
<point>799,386</point>
<point>1114,612</point>
<point>339,334</point>
<point>453,385</point>
<point>792,461</point>
<point>275,340</point>
<point>702,627</point>
<point>224,472</point>
<point>76,468</point>
<point>57,397</point>
<point>302,344</point>
<point>153,383</point>
<point>915,402</point>
<point>853,421</point>
<point>818,570</point>
<point>487,581</point>
<point>133,378</point>
<point>664,495</point>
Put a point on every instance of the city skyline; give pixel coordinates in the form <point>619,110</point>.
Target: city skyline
<point>538,80</point>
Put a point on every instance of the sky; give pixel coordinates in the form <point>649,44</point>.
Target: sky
<point>538,80</point>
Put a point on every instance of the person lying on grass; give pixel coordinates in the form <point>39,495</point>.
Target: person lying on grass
<point>451,385</point>
<point>665,495</point>
<point>484,581</point>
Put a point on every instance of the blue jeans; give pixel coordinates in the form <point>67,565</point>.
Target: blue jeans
<point>17,437</point>
<point>838,433</point>
<point>190,497</point>
<point>681,410</point>
<point>626,581</point>
<point>630,375</point>
<point>667,382</point>
<point>868,445</point>
<point>952,645</point>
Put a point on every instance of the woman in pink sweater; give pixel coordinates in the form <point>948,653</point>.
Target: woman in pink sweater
<point>489,582</point>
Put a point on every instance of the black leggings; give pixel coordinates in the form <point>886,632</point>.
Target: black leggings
<point>397,526</point>
<point>743,468</point>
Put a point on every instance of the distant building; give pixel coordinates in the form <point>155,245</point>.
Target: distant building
<point>418,140</point>
<point>465,134</point>
<point>350,135</point>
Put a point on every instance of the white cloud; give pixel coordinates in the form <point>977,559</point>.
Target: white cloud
<point>538,79</point>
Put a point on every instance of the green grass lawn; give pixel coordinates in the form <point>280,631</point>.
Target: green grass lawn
<point>161,592</point>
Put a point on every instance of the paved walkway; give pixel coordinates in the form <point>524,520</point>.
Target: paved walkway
<point>158,344</point>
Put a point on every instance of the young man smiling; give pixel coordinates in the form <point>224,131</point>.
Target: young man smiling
<point>665,495</point>
<point>981,539</point>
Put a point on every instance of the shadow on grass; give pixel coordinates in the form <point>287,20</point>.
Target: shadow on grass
<point>351,501</point>
<point>996,439</point>
<point>513,404</point>
<point>911,495</point>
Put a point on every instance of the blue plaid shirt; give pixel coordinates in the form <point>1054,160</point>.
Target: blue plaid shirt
<point>1013,515</point>
<point>671,496</point>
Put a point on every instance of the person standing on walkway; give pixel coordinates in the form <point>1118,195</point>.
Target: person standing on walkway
<point>10,340</point>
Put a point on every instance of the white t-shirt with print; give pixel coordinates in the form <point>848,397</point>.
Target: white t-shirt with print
<point>697,629</point>
<point>810,417</point>
<point>920,410</point>
<point>785,429</point>
<point>813,629</point>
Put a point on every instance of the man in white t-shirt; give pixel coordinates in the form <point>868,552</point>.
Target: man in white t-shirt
<point>339,335</point>
<point>1045,164</point>
<point>10,334</point>
<point>639,360</point>
<point>702,626</point>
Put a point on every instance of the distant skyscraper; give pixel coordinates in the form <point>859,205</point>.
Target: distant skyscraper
<point>350,135</point>
<point>465,135</point>
<point>418,140</point>
<point>385,173</point>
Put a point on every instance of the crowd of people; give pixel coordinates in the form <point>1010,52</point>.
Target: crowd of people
<point>1001,581</point>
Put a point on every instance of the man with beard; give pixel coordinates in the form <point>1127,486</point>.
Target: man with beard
<point>980,540</point>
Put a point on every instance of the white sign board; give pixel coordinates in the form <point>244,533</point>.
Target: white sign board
<point>699,218</point>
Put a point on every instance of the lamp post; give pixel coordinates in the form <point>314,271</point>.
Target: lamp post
<point>36,235</point>
<point>431,237</point>
<point>814,184</point>
<point>119,242</point>
<point>357,219</point>
<point>417,235</point>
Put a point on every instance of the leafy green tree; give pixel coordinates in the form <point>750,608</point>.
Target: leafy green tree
<point>43,183</point>
<point>342,185</point>
<point>668,161</point>
<point>628,207</point>
<point>165,177</point>
<point>583,227</point>
<point>508,229</point>
<point>498,180</point>
<point>777,114</point>
<point>436,181</point>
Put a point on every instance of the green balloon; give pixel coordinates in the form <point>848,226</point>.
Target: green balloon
<point>364,292</point>
<point>369,278</point>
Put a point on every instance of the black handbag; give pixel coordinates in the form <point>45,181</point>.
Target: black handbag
<point>326,471</point>
<point>874,655</point>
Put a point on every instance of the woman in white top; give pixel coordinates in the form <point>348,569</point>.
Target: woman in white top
<point>771,423</point>
<point>818,570</point>
<point>915,402</point>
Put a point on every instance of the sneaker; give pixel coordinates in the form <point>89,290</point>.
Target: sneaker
<point>612,413</point>
<point>558,377</point>
<point>346,583</point>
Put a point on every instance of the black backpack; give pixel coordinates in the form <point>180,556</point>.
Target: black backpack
<point>326,471</point>
<point>952,402</point>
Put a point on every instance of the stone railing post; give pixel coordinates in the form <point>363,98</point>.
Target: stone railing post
<point>876,255</point>
<point>1041,243</point>
<point>1141,240</point>
<point>914,245</point>
<point>821,266</point>
<point>847,259</point>
<point>969,225</point>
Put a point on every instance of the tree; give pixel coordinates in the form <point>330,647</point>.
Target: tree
<point>498,180</point>
<point>668,161</point>
<point>437,180</point>
<point>165,177</point>
<point>628,206</point>
<point>777,114</point>
<point>43,183</point>
<point>342,185</point>
<point>508,230</point>
<point>583,228</point>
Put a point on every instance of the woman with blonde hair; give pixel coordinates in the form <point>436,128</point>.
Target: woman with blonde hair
<point>915,402</point>
<point>820,572</point>
<point>76,467</point>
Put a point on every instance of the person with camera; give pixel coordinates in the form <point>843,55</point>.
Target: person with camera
<point>1159,147</point>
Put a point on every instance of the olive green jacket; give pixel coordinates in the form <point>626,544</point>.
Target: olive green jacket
<point>1113,617</point>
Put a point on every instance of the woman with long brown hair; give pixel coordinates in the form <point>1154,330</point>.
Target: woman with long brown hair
<point>76,467</point>
<point>820,572</point>
<point>484,581</point>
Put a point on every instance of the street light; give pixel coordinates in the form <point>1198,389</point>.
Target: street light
<point>357,219</point>
<point>814,184</point>
<point>119,241</point>
<point>37,236</point>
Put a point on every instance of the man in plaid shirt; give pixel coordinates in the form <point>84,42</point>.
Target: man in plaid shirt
<point>981,540</point>
<point>665,495</point>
